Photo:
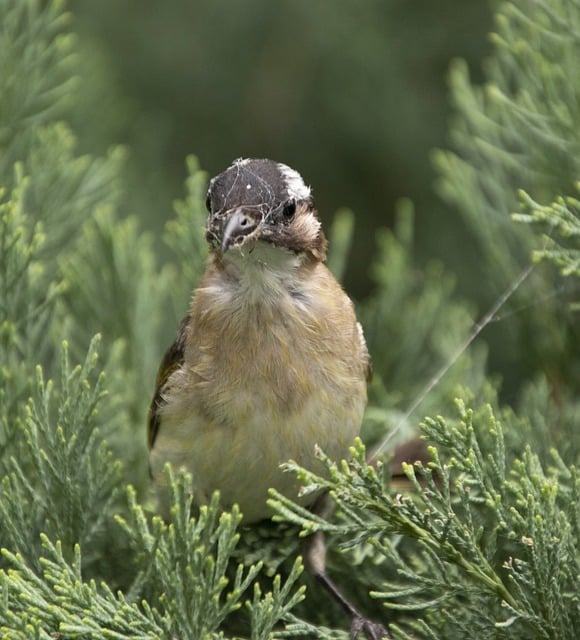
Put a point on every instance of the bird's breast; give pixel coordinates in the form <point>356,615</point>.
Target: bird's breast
<point>263,382</point>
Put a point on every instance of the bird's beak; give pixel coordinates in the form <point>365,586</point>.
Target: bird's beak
<point>237,227</point>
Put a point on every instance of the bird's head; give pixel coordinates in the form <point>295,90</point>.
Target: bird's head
<point>262,203</point>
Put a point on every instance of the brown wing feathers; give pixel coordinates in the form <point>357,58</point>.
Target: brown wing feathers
<point>172,360</point>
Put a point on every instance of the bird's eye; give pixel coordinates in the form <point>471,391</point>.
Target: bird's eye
<point>289,209</point>
<point>208,202</point>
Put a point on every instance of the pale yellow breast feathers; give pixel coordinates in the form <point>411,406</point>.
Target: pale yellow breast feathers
<point>275,364</point>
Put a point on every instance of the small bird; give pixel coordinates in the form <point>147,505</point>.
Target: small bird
<point>269,363</point>
<point>270,360</point>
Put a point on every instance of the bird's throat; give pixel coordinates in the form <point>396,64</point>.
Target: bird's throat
<point>262,273</point>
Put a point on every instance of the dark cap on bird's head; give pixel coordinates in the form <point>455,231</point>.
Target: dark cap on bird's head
<point>265,200</point>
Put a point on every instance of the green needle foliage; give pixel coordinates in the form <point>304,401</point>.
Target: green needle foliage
<point>182,566</point>
<point>560,221</point>
<point>494,538</point>
<point>480,539</point>
<point>61,478</point>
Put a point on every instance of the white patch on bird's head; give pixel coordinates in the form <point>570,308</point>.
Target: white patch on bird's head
<point>294,182</point>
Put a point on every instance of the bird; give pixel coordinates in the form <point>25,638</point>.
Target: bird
<point>270,362</point>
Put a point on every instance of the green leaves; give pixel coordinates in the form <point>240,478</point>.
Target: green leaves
<point>268,609</point>
<point>34,45</point>
<point>61,478</point>
<point>185,236</point>
<point>487,540</point>
<point>184,563</point>
<point>183,570</point>
<point>415,328</point>
<point>58,601</point>
<point>560,223</point>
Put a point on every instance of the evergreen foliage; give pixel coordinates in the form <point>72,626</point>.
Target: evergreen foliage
<point>484,540</point>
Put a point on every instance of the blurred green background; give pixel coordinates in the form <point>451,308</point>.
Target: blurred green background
<point>351,94</point>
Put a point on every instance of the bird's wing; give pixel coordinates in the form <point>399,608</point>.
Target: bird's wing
<point>172,360</point>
